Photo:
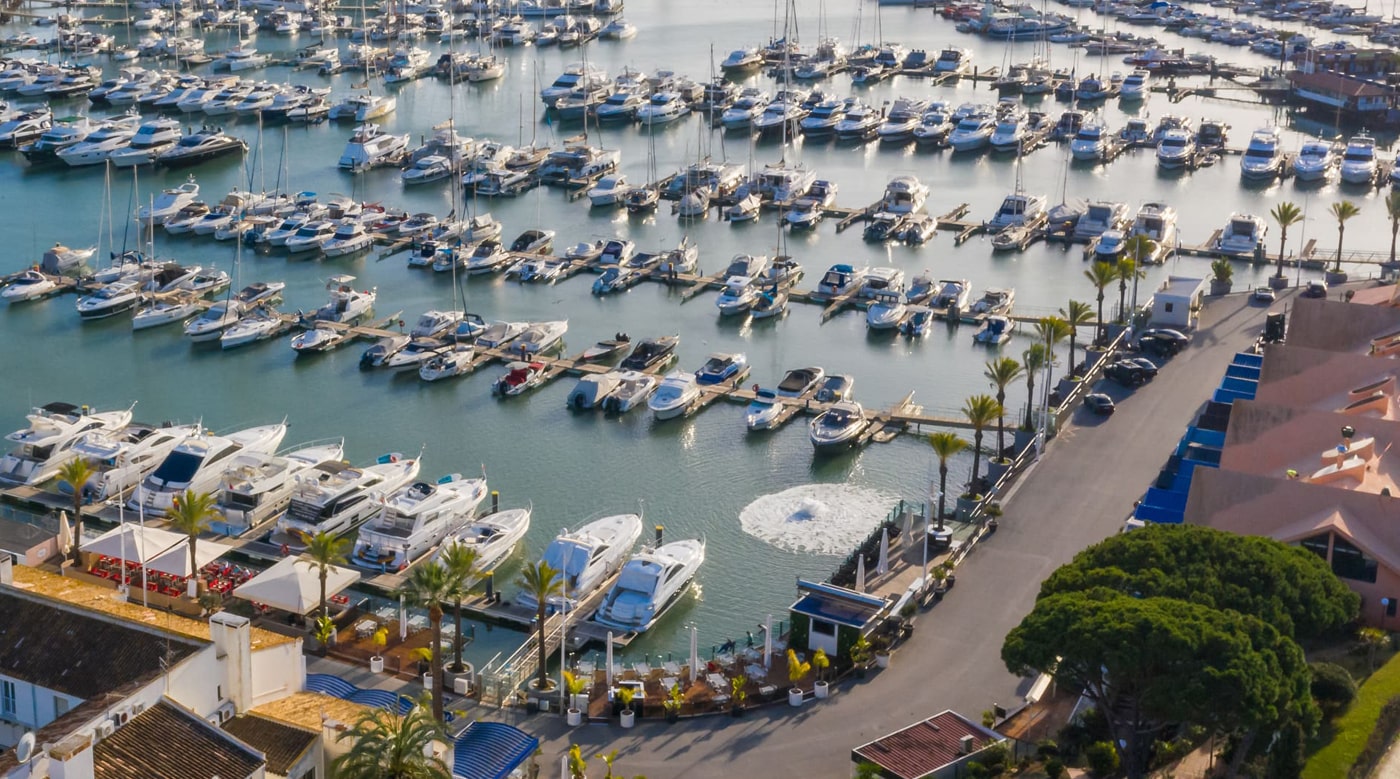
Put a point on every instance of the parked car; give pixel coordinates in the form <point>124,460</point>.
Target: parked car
<point>1149,367</point>
<point>1264,294</point>
<point>1099,403</point>
<point>1162,342</point>
<point>1126,373</point>
<point>1316,289</point>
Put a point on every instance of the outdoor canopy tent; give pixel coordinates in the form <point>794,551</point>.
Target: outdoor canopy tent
<point>137,543</point>
<point>294,585</point>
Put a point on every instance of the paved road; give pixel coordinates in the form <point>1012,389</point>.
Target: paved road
<point>953,660</point>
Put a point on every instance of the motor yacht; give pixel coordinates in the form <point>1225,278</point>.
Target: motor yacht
<point>633,390</point>
<point>164,312</point>
<point>904,194</point>
<point>722,368</point>
<point>335,497</point>
<point>620,106</point>
<point>742,61</point>
<point>1134,88</point>
<point>197,464</point>
<point>453,360</point>
<point>311,236</point>
<point>1017,209</point>
<point>973,132</point>
<point>1262,157</point>
<point>519,378</point>
<point>45,445</point>
<point>737,296</point>
<point>115,298</point>
<point>995,301</point>
<point>540,338</point>
<point>650,353</point>
<point>751,104</point>
<point>1156,221</point>
<point>370,146</point>
<point>800,381</point>
<point>662,108</point>
<point>101,143</point>
<point>29,285</point>
<point>498,334</point>
<point>415,520</point>
<point>120,458</point>
<point>1010,132</point>
<point>574,76</point>
<point>492,537</point>
<point>487,257</point>
<point>1099,215</point>
<point>935,125</point>
<point>953,295</point>
<point>259,324</point>
<point>586,557</point>
<point>210,325</point>
<point>61,135</point>
<point>881,279</point>
<point>362,108</point>
<point>1359,160</point>
<point>649,585</point>
<point>257,486</point>
<point>24,127</point>
<point>887,309</point>
<point>860,122</point>
<point>609,191</point>
<point>198,147</point>
<point>1242,237</point>
<point>1091,142</point>
<point>841,279</point>
<point>901,120</point>
<point>346,304</point>
<point>1176,149</point>
<point>350,236</point>
<point>953,59</point>
<point>996,329</point>
<point>1315,161</point>
<point>674,397</point>
<point>839,427</point>
<point>413,355</point>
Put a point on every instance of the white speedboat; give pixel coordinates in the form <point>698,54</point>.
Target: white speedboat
<point>838,427</point>
<point>918,322</point>
<point>540,338</point>
<point>592,389</point>
<point>678,391</point>
<point>258,485</point>
<point>650,584</point>
<point>29,285</point>
<point>886,311</point>
<point>336,497</point>
<point>455,360</point>
<point>519,378</point>
<point>1090,142</point>
<point>841,279</point>
<point>168,203</point>
<point>260,324</point>
<point>1017,209</point>
<point>609,191</point>
<point>1176,149</point>
<point>493,537</point>
<point>99,145</point>
<point>587,557</point>
<point>995,329</point>
<point>995,301</point>
<point>1242,236</point>
<point>881,279</point>
<point>45,445</point>
<point>350,236</point>
<point>197,464</point>
<point>1098,216</point>
<point>415,520</point>
<point>121,458</point>
<point>113,299</point>
<point>633,390</point>
<point>346,303</point>
<point>210,325</point>
<point>370,146</point>
<point>973,132</point>
<point>1156,221</point>
<point>763,411</point>
<point>435,324</point>
<point>953,294</point>
<point>1134,86</point>
<point>164,312</point>
<point>311,237</point>
<point>1262,157</point>
<point>1359,160</point>
<point>1315,161</point>
<point>750,105</point>
<point>737,296</point>
<point>498,334</point>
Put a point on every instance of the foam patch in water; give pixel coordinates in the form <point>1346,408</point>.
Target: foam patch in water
<point>827,519</point>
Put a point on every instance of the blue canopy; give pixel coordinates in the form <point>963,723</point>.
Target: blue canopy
<point>491,750</point>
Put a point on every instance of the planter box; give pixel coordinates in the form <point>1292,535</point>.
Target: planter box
<point>579,701</point>
<point>376,664</point>
<point>882,659</point>
<point>1278,282</point>
<point>795,698</point>
<point>1066,386</point>
<point>1094,355</point>
<point>1022,439</point>
<point>628,718</point>
<point>575,717</point>
<point>996,470</point>
<point>821,690</point>
<point>1218,288</point>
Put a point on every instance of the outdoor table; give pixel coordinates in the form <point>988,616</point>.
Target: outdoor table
<point>669,682</point>
<point>716,681</point>
<point>365,628</point>
<point>671,668</point>
<point>417,622</point>
<point>756,672</point>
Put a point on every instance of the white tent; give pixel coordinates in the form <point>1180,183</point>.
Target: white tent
<point>136,543</point>
<point>294,585</point>
<point>176,561</point>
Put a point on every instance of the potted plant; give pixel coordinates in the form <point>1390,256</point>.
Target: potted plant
<point>797,671</point>
<point>424,656</point>
<point>737,696</point>
<point>907,614</point>
<point>324,633</point>
<point>625,696</point>
<point>992,512</point>
<point>821,662</point>
<point>881,647</point>
<point>940,580</point>
<point>672,704</point>
<point>578,767</point>
<point>381,640</point>
<point>860,655</point>
<point>1222,274</point>
<point>578,700</point>
<point>1343,212</point>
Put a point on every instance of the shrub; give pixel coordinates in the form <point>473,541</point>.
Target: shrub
<point>1102,758</point>
<point>994,758</point>
<point>1332,688</point>
<point>1286,755</point>
<point>1046,747</point>
<point>1054,769</point>
<point>1387,724</point>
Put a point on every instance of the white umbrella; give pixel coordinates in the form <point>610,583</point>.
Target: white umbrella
<point>768,642</point>
<point>403,620</point>
<point>608,659</point>
<point>884,565</point>
<point>294,585</point>
<point>694,653</point>
<point>176,560</point>
<point>137,543</point>
<point>860,573</point>
<point>65,534</point>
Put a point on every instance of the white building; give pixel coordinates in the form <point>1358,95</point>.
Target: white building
<point>1177,302</point>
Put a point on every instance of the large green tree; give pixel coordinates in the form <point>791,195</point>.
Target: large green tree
<point>1100,274</point>
<point>542,581</point>
<point>980,410</point>
<point>430,586</point>
<point>385,745</point>
<point>461,563</point>
<point>1285,586</point>
<point>1001,372</point>
<point>1153,663</point>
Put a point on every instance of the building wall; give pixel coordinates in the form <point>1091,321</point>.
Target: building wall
<point>278,671</point>
<point>34,707</point>
<point>196,683</point>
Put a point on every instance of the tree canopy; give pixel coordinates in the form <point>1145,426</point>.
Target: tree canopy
<point>1287,587</point>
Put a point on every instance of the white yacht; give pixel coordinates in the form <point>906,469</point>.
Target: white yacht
<point>163,312</point>
<point>886,311</point>
<point>121,458</point>
<point>1315,161</point>
<point>100,144</point>
<point>650,584</point>
<point>762,412</point>
<point>1262,157</point>
<point>1157,221</point>
<point>662,108</point>
<point>678,391</point>
<point>311,237</point>
<point>1176,149</point>
<point>587,557</point>
<point>115,298</point>
<point>995,301</point>
<point>258,485</point>
<point>168,203</point>
<point>350,236</point>
<point>1134,86</point>
<point>634,388</point>
<point>953,294</point>
<point>750,105</point>
<point>1090,142</point>
<point>336,497</point>
<point>197,464</point>
<point>973,132</point>
<point>261,323</point>
<point>370,146</point>
<point>953,59</point>
<point>1359,160</point>
<point>1009,133</point>
<point>493,537</point>
<point>575,76</point>
<point>838,427</point>
<point>1017,209</point>
<point>415,520</point>
<point>1098,216</point>
<point>29,285</point>
<point>45,444</point>
<point>840,279</point>
<point>904,194</point>
<point>1242,236</point>
<point>737,296</point>
<point>346,303</point>
<point>609,191</point>
<point>210,325</point>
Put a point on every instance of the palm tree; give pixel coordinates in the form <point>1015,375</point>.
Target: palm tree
<point>326,551</point>
<point>980,410</point>
<point>1392,207</point>
<point>1100,274</point>
<point>461,561</point>
<point>75,473</point>
<point>1032,360</point>
<point>429,586</point>
<point>540,581</point>
<point>945,445</point>
<point>386,745</point>
<point>1126,270</point>
<point>1001,372</point>
<point>1077,315</point>
<point>1343,211</point>
<point>190,513</point>
<point>1051,330</point>
<point>1286,214</point>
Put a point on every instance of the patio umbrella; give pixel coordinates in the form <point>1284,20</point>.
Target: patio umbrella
<point>768,642</point>
<point>294,585</point>
<point>65,534</point>
<point>136,543</point>
<point>694,653</point>
<point>608,658</point>
<point>176,560</point>
<point>860,573</point>
<point>403,620</point>
<point>884,565</point>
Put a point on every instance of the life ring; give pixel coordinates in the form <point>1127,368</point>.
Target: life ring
<point>755,388</point>
<point>286,550</point>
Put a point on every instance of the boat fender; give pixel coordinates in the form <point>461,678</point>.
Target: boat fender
<point>755,388</point>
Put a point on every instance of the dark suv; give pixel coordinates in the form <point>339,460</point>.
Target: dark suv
<point>1126,373</point>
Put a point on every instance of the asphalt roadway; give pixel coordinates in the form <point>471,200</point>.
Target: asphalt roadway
<point>1081,491</point>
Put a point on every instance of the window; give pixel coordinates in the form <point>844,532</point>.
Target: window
<point>1349,563</point>
<point>60,706</point>
<point>1317,544</point>
<point>7,698</point>
<point>1389,606</point>
<point>823,628</point>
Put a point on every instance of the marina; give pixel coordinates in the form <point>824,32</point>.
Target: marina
<point>536,449</point>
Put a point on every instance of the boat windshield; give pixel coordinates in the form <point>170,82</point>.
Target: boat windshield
<point>178,468</point>
<point>1358,155</point>
<point>571,557</point>
<point>640,576</point>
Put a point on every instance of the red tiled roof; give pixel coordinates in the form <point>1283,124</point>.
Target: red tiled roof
<point>166,743</point>
<point>1339,84</point>
<point>924,747</point>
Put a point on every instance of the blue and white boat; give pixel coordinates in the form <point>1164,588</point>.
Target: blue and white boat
<point>587,557</point>
<point>720,368</point>
<point>650,584</point>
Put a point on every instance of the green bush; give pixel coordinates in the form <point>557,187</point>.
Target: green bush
<point>1387,724</point>
<point>1078,735</point>
<point>1054,769</point>
<point>1332,688</point>
<point>1286,755</point>
<point>1102,758</point>
<point>1046,747</point>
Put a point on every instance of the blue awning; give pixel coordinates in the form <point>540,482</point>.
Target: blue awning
<point>491,750</point>
<point>337,687</point>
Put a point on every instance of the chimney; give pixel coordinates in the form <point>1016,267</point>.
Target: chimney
<point>233,646</point>
<point>71,758</point>
<point>965,744</point>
